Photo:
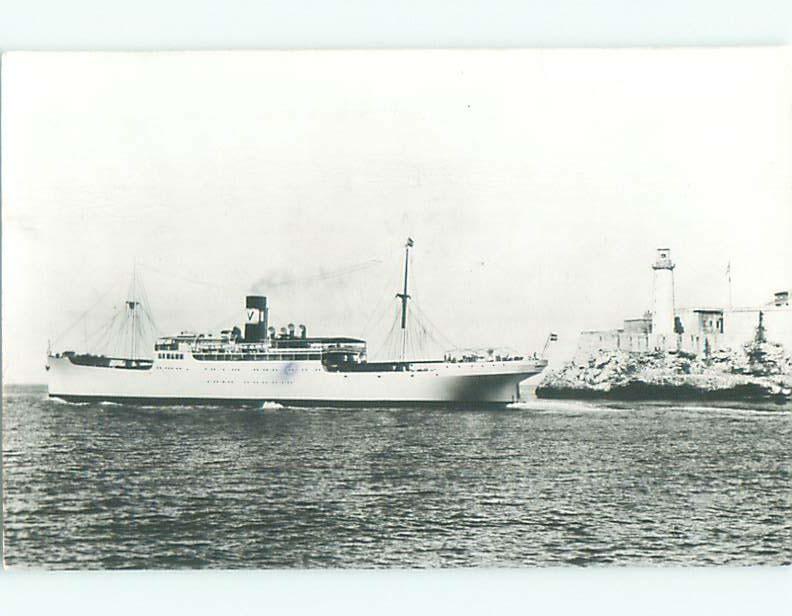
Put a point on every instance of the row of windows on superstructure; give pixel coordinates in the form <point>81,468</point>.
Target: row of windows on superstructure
<point>244,357</point>
<point>250,382</point>
<point>251,357</point>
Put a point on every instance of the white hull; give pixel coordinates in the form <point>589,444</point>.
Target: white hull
<point>308,382</point>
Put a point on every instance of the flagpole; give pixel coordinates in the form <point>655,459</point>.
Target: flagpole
<point>551,338</point>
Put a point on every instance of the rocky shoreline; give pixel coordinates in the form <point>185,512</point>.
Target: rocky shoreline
<point>758,371</point>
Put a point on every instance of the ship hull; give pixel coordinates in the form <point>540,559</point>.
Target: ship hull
<point>189,381</point>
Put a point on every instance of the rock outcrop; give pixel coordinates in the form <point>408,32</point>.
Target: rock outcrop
<point>759,370</point>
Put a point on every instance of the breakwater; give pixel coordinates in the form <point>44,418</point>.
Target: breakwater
<point>759,370</point>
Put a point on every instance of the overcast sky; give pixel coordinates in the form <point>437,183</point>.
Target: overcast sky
<point>536,184</point>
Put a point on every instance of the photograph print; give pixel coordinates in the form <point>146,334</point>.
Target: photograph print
<point>397,309</point>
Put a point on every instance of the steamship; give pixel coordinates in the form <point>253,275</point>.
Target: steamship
<point>290,367</point>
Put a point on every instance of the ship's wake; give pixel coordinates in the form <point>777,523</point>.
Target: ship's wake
<point>563,406</point>
<point>580,406</point>
<point>270,405</point>
<point>737,411</point>
<point>67,402</point>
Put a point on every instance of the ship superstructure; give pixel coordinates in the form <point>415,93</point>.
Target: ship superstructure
<point>260,364</point>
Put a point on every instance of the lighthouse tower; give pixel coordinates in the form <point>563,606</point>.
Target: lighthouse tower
<point>663,302</point>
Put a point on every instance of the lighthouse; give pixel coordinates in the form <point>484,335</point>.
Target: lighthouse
<point>663,301</point>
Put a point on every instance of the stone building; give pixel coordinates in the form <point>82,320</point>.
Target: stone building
<point>696,330</point>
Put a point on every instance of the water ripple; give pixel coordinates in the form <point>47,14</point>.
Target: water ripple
<point>542,483</point>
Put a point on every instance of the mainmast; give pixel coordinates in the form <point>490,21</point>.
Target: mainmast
<point>404,296</point>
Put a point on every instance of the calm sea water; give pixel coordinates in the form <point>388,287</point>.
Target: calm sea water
<point>544,483</point>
